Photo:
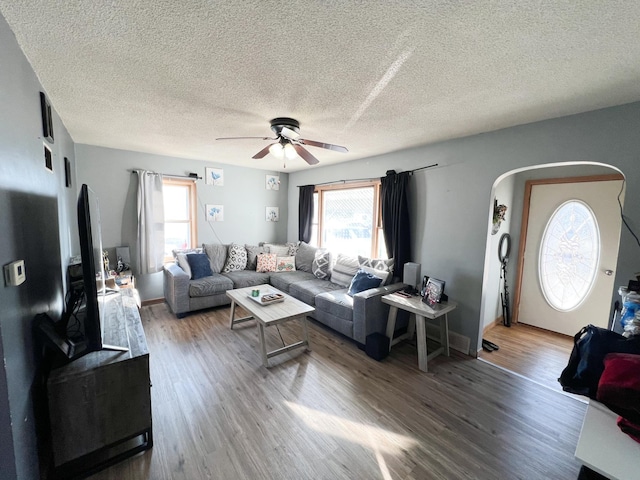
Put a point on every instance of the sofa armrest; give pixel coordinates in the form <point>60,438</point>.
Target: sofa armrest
<point>369,313</point>
<point>176,288</point>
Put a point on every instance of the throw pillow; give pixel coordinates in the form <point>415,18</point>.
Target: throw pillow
<point>363,281</point>
<point>199,264</point>
<point>279,250</point>
<point>266,262</point>
<point>344,270</point>
<point>285,264</point>
<point>384,276</point>
<point>183,263</point>
<point>252,255</point>
<point>217,254</point>
<point>293,248</point>
<point>321,266</point>
<point>305,256</point>
<point>386,265</point>
<point>236,259</point>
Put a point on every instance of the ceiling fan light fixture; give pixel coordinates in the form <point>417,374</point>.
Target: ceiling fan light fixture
<point>277,150</point>
<point>290,152</point>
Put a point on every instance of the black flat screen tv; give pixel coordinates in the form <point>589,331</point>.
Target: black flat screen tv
<point>93,273</point>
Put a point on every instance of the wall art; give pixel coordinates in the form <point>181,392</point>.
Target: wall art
<point>273,182</point>
<point>272,214</point>
<point>499,212</point>
<point>47,118</point>
<point>215,213</point>
<point>214,176</point>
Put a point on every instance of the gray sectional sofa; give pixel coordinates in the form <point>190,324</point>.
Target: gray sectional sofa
<point>354,316</point>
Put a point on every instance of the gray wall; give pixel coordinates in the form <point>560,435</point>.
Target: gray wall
<point>37,220</point>
<point>451,203</point>
<point>244,196</point>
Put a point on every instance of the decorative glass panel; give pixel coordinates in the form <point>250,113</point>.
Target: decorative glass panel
<point>569,255</point>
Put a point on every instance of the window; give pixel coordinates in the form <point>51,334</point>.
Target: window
<point>179,215</point>
<point>569,255</point>
<point>347,219</point>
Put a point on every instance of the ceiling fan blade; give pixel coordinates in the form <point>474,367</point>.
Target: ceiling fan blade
<point>306,156</point>
<point>329,146</point>
<point>262,153</point>
<point>290,134</point>
<point>245,138</point>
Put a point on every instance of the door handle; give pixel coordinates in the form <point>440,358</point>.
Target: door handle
<point>608,272</point>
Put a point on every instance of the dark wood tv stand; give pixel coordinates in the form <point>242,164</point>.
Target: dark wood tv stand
<point>100,404</point>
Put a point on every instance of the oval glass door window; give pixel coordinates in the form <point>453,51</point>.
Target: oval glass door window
<point>569,255</point>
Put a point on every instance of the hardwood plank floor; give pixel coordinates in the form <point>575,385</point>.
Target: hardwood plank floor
<point>334,413</point>
<point>535,353</point>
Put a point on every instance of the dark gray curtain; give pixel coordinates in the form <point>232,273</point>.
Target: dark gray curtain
<point>305,212</point>
<point>395,218</point>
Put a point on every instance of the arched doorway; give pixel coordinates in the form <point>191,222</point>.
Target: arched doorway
<point>536,353</point>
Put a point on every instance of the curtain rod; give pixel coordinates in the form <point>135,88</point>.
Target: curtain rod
<point>370,179</point>
<point>192,175</point>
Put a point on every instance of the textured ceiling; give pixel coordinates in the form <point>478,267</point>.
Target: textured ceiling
<point>168,77</point>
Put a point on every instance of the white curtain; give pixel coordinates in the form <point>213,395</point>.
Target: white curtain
<point>150,222</point>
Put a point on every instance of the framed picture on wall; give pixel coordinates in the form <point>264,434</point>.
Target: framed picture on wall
<point>67,172</point>
<point>214,176</point>
<point>273,182</point>
<point>272,214</point>
<point>47,120</point>
<point>215,213</point>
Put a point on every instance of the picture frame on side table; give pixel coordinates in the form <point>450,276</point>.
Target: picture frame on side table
<point>434,291</point>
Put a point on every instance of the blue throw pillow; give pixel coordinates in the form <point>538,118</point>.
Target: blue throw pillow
<point>363,281</point>
<point>199,263</point>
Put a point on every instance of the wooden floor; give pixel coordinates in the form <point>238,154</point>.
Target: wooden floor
<point>335,413</point>
<point>538,354</point>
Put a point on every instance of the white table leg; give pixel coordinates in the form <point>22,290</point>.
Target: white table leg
<point>232,314</point>
<point>444,334</point>
<point>411,329</point>
<point>391,323</point>
<point>305,330</point>
<point>263,345</point>
<point>421,341</point>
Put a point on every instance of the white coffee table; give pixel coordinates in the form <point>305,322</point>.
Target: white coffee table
<point>271,314</point>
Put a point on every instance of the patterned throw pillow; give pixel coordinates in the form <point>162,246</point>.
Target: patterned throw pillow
<point>321,266</point>
<point>385,265</point>
<point>266,262</point>
<point>293,248</point>
<point>236,259</point>
<point>285,264</point>
<point>344,270</point>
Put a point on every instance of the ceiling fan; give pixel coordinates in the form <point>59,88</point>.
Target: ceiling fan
<point>288,143</point>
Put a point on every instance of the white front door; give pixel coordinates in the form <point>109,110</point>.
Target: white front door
<point>570,254</point>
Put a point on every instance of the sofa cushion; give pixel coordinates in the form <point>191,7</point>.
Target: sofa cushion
<point>283,280</point>
<point>279,250</point>
<point>382,275</point>
<point>247,278</point>
<point>305,256</point>
<point>344,270</point>
<point>285,264</point>
<point>236,259</point>
<point>211,285</point>
<point>199,265</point>
<point>252,255</point>
<point>363,281</point>
<point>306,291</point>
<point>338,303</point>
<point>321,266</point>
<point>183,263</point>
<point>217,254</point>
<point>385,265</point>
<point>266,262</point>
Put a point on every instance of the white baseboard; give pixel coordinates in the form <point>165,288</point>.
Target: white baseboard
<point>457,341</point>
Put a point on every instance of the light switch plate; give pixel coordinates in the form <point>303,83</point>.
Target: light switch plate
<point>14,273</point>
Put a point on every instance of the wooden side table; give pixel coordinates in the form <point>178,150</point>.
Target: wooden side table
<point>420,313</point>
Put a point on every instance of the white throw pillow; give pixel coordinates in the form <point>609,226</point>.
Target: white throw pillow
<point>344,270</point>
<point>183,263</point>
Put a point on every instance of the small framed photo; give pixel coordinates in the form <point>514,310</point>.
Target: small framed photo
<point>67,172</point>
<point>273,182</point>
<point>47,118</point>
<point>272,214</point>
<point>434,291</point>
<point>215,213</point>
<point>214,176</point>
